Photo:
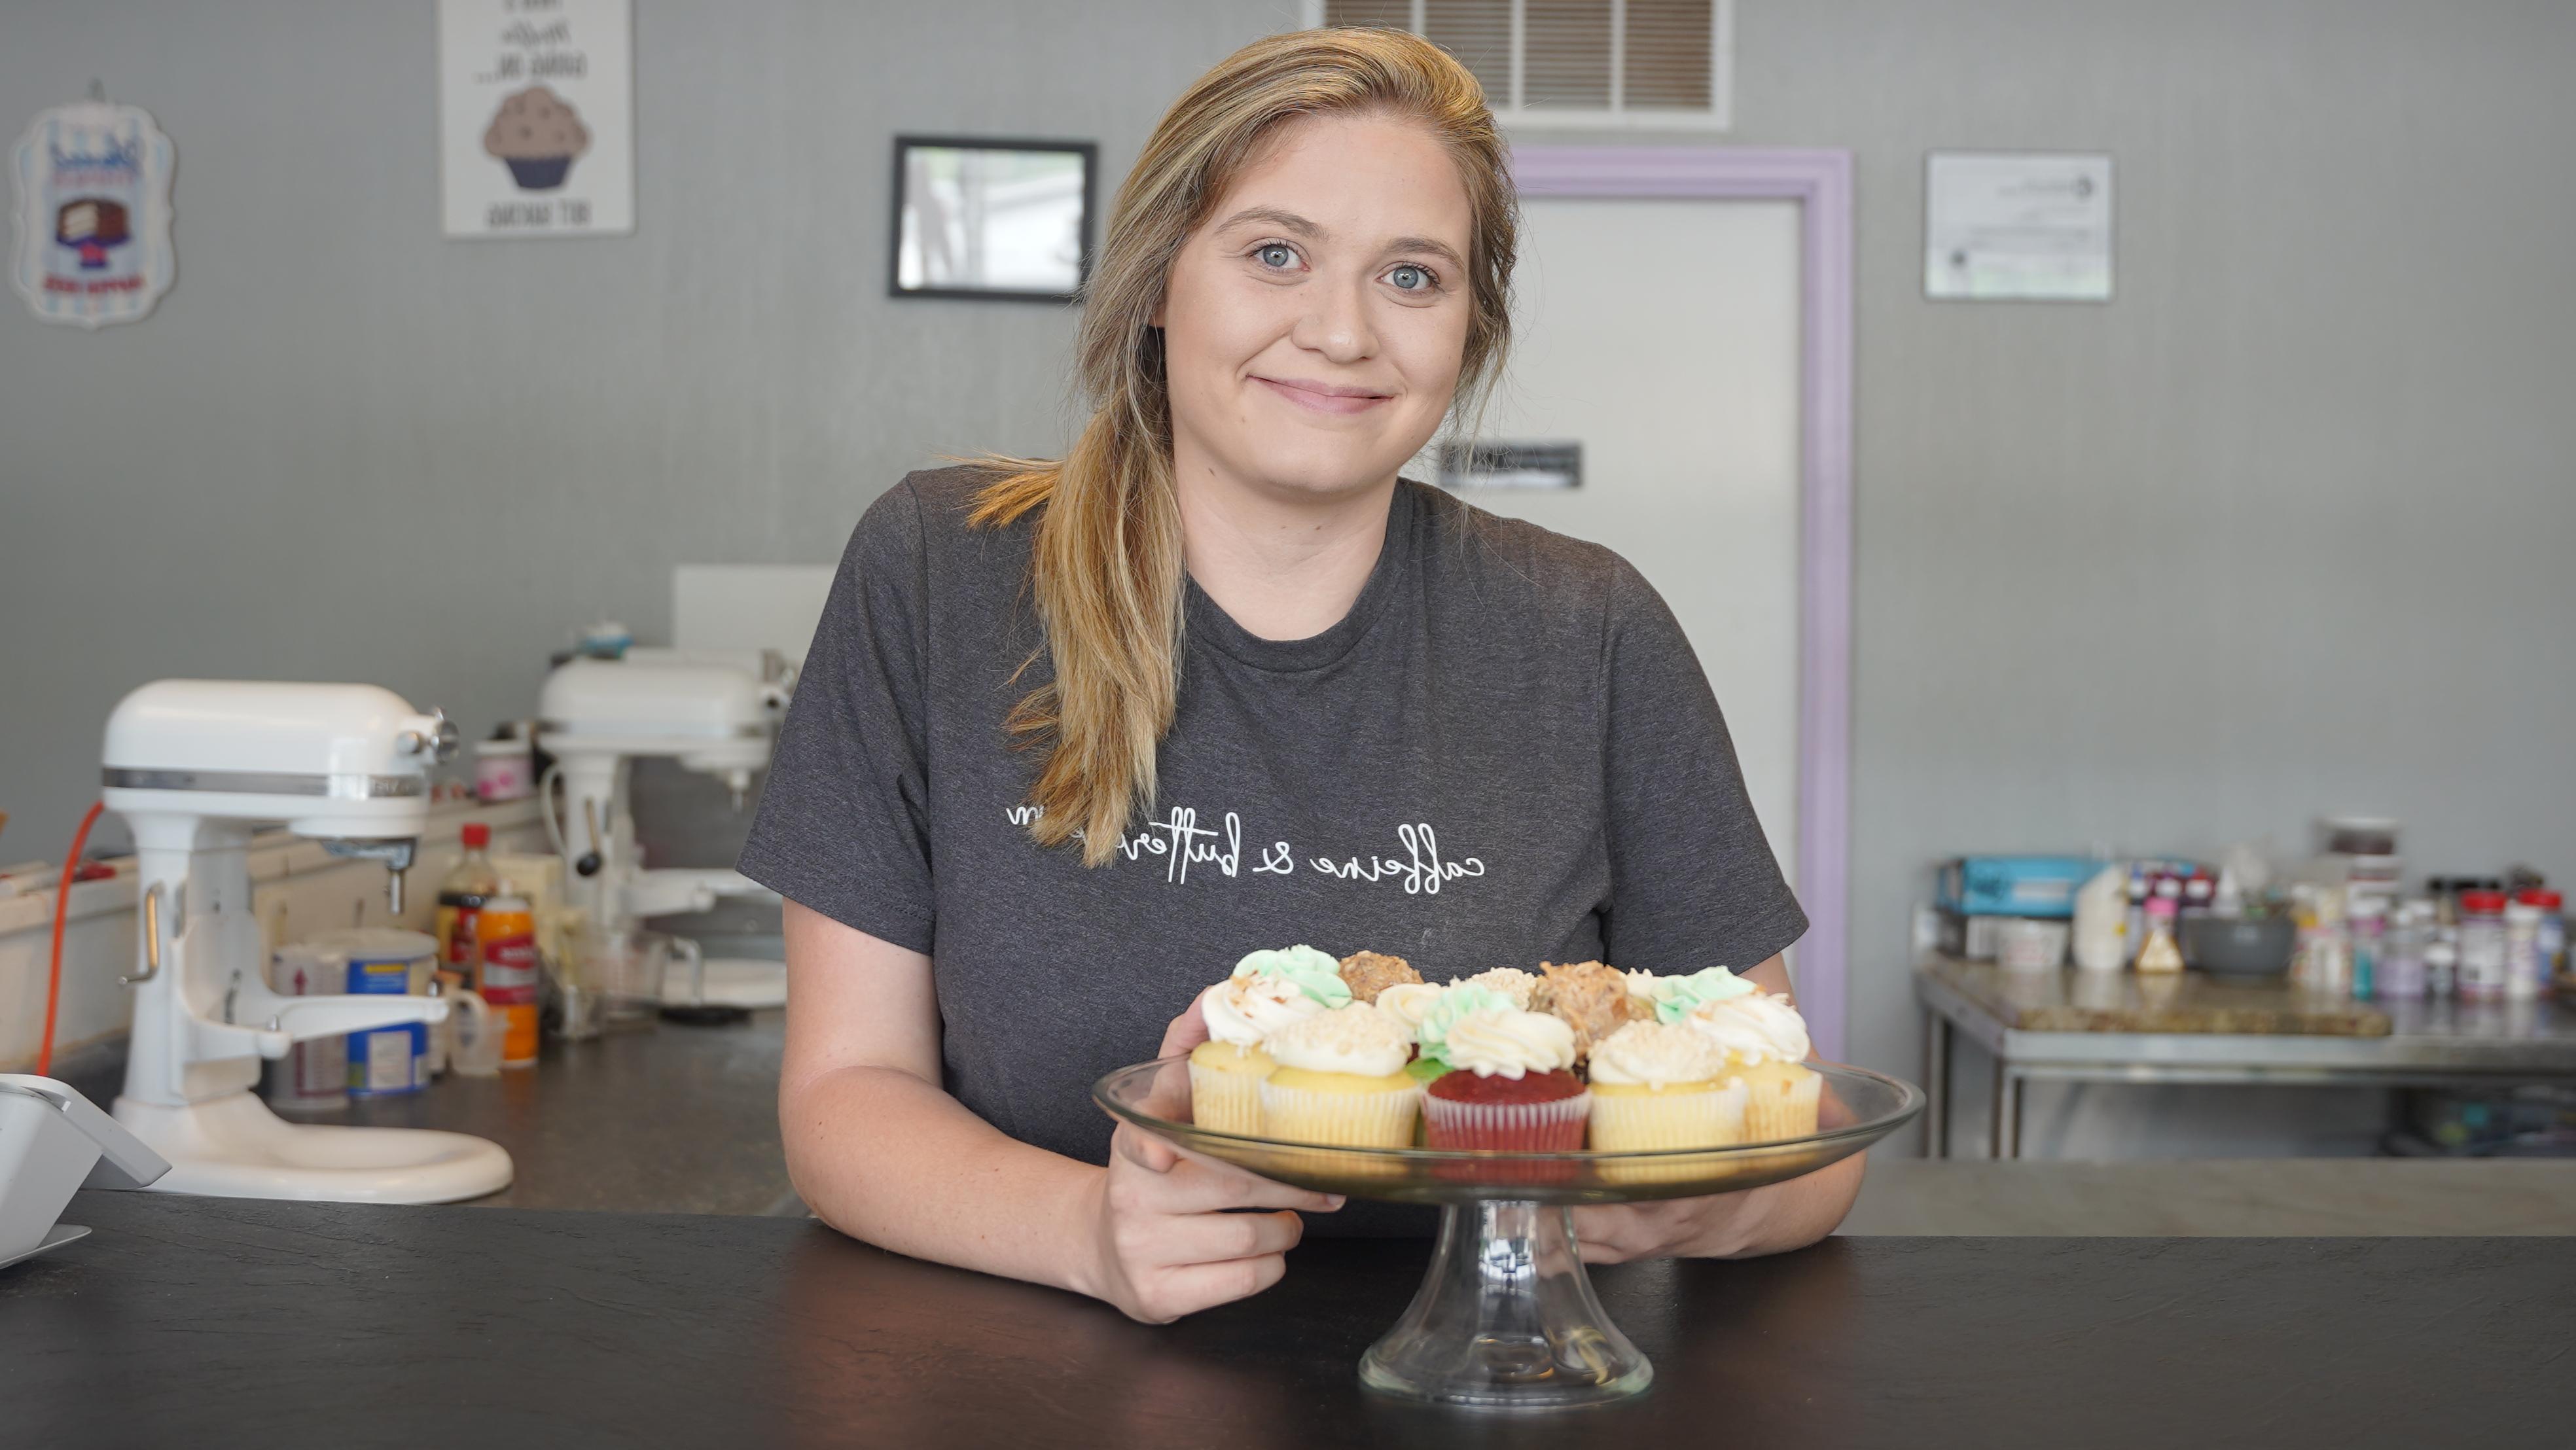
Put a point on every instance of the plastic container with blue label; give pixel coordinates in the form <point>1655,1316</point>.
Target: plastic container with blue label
<point>381,961</point>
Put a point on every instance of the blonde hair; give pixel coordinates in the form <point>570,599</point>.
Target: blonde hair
<point>1106,567</point>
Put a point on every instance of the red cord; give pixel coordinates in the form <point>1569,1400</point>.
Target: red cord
<point>62,905</point>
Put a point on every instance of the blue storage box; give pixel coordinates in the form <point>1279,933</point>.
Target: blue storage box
<point>2015,885</point>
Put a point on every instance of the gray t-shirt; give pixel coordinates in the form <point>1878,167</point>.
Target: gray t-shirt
<point>1505,753</point>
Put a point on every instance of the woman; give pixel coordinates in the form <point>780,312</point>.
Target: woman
<point>1074,736</point>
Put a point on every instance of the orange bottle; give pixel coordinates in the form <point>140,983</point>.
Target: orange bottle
<point>505,932</point>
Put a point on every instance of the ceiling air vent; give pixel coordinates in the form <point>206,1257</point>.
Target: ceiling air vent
<point>1576,63</point>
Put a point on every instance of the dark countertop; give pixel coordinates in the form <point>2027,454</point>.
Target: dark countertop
<point>672,1119</point>
<point>278,1325</point>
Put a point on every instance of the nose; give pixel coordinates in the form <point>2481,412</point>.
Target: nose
<point>1336,324</point>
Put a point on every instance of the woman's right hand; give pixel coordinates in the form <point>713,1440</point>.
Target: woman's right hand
<point>1163,1241</point>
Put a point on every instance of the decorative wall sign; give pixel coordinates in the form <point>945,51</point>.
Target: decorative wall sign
<point>2027,226</point>
<point>990,218</point>
<point>536,118</point>
<point>93,243</point>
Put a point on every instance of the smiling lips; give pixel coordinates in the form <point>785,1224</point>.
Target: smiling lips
<point>1324,397</point>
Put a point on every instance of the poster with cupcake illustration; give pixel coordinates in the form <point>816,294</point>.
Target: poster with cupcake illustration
<point>536,118</point>
<point>93,235</point>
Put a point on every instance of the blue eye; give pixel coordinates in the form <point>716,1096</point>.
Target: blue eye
<point>1277,254</point>
<point>1410,278</point>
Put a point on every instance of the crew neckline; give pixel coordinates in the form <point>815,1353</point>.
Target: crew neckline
<point>1208,620</point>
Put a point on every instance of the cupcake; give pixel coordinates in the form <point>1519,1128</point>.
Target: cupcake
<point>1765,1042</point>
<point>1510,1085</point>
<point>1267,991</point>
<point>1656,1086</point>
<point>538,135</point>
<point>1369,973</point>
<point>1340,1080</point>
<point>1588,997</point>
<point>1512,982</point>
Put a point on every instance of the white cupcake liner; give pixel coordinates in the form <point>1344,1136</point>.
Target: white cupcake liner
<point>1225,1102</point>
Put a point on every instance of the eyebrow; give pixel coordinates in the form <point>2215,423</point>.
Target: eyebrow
<point>1289,221</point>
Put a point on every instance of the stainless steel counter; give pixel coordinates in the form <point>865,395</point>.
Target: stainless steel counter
<point>2415,1044</point>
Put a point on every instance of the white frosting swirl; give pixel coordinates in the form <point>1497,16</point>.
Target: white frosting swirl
<point>1509,1043</point>
<point>1756,1028</point>
<point>1512,982</point>
<point>1358,1039</point>
<point>1651,1054</point>
<point>1245,1011</point>
<point>1407,1001</point>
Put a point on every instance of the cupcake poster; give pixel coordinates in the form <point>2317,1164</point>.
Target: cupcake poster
<point>93,237</point>
<point>536,118</point>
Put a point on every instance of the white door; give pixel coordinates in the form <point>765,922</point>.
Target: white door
<point>1663,335</point>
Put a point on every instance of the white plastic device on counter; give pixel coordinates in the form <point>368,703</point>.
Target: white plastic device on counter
<point>53,1143</point>
<point>195,766</point>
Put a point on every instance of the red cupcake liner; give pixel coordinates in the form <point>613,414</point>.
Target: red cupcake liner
<point>1552,1127</point>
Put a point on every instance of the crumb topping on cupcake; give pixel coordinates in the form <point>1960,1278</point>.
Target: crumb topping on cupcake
<point>1316,974</point>
<point>1588,997</point>
<point>1512,982</point>
<point>1244,1011</point>
<point>1357,1039</point>
<point>1370,973</point>
<point>1652,1054</point>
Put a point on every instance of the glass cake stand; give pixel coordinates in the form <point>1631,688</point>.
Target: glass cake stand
<point>1506,1318</point>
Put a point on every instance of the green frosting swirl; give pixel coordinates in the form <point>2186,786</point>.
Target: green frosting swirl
<point>1455,1003</point>
<point>1308,970</point>
<point>1676,996</point>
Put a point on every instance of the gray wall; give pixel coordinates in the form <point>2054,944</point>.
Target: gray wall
<point>344,447</point>
<point>2285,528</point>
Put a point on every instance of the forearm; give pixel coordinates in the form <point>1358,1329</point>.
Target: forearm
<point>884,1156</point>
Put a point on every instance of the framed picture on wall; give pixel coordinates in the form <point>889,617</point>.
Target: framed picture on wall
<point>985,217</point>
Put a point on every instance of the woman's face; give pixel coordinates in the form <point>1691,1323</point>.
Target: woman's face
<point>1312,329</point>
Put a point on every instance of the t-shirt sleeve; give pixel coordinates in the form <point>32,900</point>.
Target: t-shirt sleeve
<point>1693,882</point>
<point>843,826</point>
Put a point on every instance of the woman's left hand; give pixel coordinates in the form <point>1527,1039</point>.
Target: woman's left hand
<point>1766,1220</point>
<point>1712,1227</point>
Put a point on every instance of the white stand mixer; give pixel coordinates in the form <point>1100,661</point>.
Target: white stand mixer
<point>714,713</point>
<point>194,766</point>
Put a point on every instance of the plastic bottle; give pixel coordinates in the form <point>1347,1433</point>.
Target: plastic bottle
<point>506,944</point>
<point>2160,953</point>
<point>2101,916</point>
<point>2523,975</point>
<point>2553,931</point>
<point>2482,962</point>
<point>2441,966</point>
<point>2369,940</point>
<point>461,895</point>
<point>2401,960</point>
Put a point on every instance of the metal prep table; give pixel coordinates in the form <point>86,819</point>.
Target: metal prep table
<point>2070,1026</point>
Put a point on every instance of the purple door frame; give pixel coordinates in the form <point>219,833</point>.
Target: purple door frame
<point>1820,182</point>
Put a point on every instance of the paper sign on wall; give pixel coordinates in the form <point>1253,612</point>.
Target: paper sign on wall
<point>536,117</point>
<point>2026,226</point>
<point>93,242</point>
